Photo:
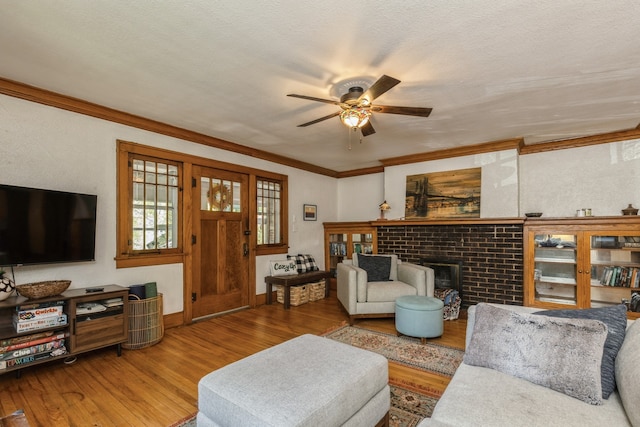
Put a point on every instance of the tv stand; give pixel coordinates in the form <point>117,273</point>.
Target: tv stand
<point>86,329</point>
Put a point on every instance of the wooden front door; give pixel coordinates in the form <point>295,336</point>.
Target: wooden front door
<point>220,241</point>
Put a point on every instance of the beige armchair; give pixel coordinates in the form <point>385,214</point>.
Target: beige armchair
<point>368,285</point>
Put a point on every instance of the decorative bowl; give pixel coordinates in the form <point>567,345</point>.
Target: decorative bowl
<point>43,289</point>
<point>533,214</point>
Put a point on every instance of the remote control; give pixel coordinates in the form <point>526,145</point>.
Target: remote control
<point>90,290</point>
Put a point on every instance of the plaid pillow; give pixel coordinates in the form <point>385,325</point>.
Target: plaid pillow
<point>304,263</point>
<point>300,264</point>
<point>309,262</point>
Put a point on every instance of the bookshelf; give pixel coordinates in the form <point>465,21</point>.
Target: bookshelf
<point>343,239</point>
<point>89,320</point>
<point>582,262</point>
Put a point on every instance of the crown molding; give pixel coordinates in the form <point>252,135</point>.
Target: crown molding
<point>53,99</point>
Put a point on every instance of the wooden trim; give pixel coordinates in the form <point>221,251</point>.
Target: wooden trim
<point>584,141</point>
<point>359,172</point>
<point>447,221</point>
<point>42,96</point>
<point>487,147</point>
<point>53,99</point>
<point>173,320</point>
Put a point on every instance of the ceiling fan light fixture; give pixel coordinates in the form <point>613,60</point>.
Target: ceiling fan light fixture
<point>355,117</point>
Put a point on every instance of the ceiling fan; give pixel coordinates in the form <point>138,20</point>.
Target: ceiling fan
<point>356,106</point>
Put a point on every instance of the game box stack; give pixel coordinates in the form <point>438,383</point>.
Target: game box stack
<point>37,345</point>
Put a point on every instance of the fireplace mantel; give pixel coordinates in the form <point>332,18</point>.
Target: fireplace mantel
<point>446,221</point>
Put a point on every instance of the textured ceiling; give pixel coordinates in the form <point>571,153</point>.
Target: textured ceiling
<point>491,70</point>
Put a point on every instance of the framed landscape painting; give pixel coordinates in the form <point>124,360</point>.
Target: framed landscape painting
<point>451,194</point>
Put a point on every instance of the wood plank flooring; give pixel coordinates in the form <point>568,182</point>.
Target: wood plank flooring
<point>157,386</point>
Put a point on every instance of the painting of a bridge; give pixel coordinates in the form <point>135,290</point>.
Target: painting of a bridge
<point>451,194</point>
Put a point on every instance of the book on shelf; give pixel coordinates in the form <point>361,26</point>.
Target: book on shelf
<point>24,360</point>
<point>39,312</point>
<point>34,349</point>
<point>37,305</point>
<point>32,340</point>
<point>39,323</point>
<point>619,276</point>
<point>24,338</point>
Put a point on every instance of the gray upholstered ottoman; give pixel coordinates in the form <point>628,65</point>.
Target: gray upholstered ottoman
<point>419,316</point>
<point>306,381</point>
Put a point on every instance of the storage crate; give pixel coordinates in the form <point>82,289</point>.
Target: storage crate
<point>299,294</point>
<point>146,325</point>
<point>316,290</point>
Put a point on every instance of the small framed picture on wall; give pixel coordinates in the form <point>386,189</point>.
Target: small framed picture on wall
<point>310,213</point>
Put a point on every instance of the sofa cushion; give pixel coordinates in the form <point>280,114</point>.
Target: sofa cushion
<point>562,354</point>
<point>388,291</point>
<point>479,397</point>
<point>615,317</point>
<point>628,373</point>
<point>378,268</point>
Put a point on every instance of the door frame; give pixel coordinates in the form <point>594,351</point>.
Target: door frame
<point>188,206</point>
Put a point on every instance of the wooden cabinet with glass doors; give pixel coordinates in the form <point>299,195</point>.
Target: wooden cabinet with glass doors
<point>582,263</point>
<point>343,239</point>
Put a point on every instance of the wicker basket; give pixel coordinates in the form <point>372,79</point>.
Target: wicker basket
<point>146,325</point>
<point>43,289</point>
<point>316,290</point>
<point>299,294</point>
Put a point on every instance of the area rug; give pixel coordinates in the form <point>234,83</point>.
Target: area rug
<point>406,351</point>
<point>409,406</point>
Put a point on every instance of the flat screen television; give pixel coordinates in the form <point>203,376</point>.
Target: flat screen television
<point>45,226</point>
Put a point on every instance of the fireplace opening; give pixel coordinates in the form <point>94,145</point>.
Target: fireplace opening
<point>448,273</point>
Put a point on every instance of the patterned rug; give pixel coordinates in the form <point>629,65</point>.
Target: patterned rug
<point>406,351</point>
<point>410,403</point>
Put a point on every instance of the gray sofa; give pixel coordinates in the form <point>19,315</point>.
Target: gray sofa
<point>481,396</point>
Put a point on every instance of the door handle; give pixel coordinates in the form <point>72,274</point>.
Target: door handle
<point>245,249</point>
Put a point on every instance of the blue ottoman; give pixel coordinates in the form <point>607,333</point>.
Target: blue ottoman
<point>419,316</point>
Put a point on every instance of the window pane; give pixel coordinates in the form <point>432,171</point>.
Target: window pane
<point>155,205</point>
<point>269,214</point>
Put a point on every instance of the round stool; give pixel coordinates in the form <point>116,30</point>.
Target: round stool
<point>419,316</point>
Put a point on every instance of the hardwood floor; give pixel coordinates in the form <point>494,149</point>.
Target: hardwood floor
<point>157,386</point>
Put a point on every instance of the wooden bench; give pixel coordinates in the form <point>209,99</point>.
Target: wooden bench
<point>293,280</point>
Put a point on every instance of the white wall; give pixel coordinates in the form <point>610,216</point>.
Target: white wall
<point>358,197</point>
<point>50,148</point>
<point>605,178</point>
<point>45,147</point>
<point>499,192</point>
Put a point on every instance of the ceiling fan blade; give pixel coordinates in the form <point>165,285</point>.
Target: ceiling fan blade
<point>367,129</point>
<point>381,85</point>
<point>311,98</point>
<point>407,111</point>
<point>312,122</point>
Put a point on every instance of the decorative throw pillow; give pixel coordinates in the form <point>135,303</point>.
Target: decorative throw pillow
<point>378,268</point>
<point>300,264</point>
<point>615,317</point>
<point>283,268</point>
<point>309,262</point>
<point>628,373</point>
<point>564,355</point>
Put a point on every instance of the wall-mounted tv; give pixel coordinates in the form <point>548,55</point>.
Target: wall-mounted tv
<point>45,226</point>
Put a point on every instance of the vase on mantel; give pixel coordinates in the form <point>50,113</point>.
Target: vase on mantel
<point>6,286</point>
<point>630,210</point>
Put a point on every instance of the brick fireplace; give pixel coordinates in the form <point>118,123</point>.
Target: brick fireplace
<point>447,272</point>
<point>491,255</point>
